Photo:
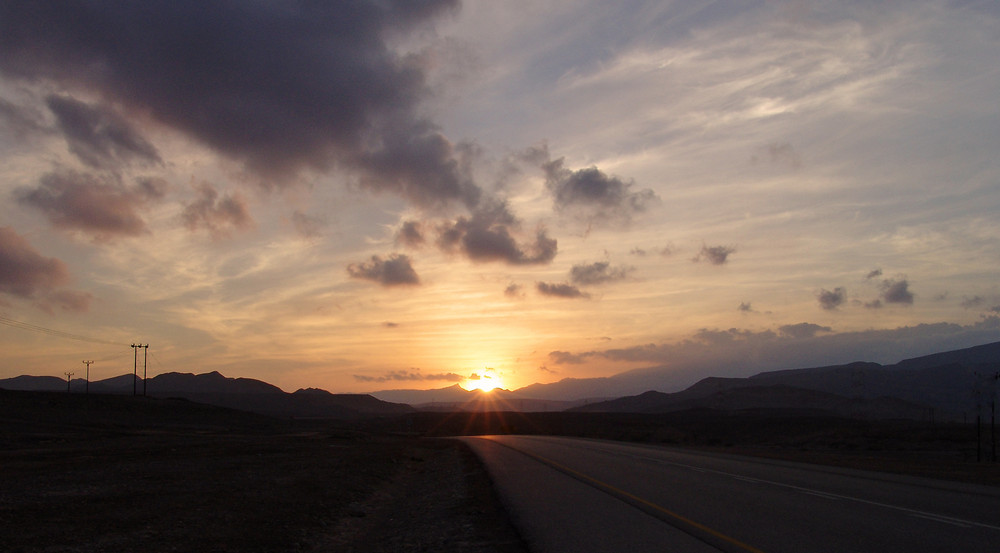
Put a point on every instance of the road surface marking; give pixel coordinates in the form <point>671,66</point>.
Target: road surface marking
<point>829,495</point>
<point>622,493</point>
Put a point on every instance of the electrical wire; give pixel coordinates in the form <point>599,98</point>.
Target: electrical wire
<point>57,333</point>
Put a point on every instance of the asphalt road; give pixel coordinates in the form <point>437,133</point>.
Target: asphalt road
<point>585,496</point>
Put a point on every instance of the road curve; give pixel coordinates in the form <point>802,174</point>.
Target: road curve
<point>581,496</point>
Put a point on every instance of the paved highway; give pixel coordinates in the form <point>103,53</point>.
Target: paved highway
<point>583,496</point>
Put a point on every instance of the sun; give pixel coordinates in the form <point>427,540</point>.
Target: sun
<point>486,380</point>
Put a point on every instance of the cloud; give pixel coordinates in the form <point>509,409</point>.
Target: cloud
<point>20,121</point>
<point>67,300</point>
<point>280,86</point>
<point>874,273</point>
<point>218,215</point>
<point>409,376</point>
<point>594,195</point>
<point>393,271</point>
<point>560,290</point>
<point>716,255</point>
<point>832,299</point>
<point>94,204</point>
<point>513,290</point>
<point>780,154</point>
<point>739,352</point>
<point>600,272</point>
<point>897,291</point>
<point>802,330</point>
<point>97,136</point>
<point>410,234</point>
<point>27,274</point>
<point>486,236</point>
<point>566,358</point>
<point>306,225</point>
<point>745,307</point>
<point>23,271</point>
<point>973,302</point>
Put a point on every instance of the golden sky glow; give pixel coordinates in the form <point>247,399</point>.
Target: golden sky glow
<point>499,194</point>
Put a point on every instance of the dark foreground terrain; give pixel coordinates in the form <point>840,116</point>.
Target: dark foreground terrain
<point>83,473</point>
<point>110,473</point>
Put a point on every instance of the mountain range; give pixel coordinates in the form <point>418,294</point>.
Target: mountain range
<point>213,388</point>
<point>953,385</point>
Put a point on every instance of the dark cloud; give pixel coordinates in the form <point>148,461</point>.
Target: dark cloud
<point>897,291</point>
<point>560,290</point>
<point>600,272</point>
<point>23,271</point>
<point>97,205</point>
<point>591,193</point>
<point>716,255</point>
<point>393,271</point>
<point>218,215</point>
<point>410,234</point>
<point>390,324</point>
<point>20,121</point>
<point>97,136</point>
<point>832,299</point>
<point>874,273</point>
<point>486,236</point>
<point>566,358</point>
<point>27,274</point>
<point>874,304</point>
<point>409,376</point>
<point>745,307</point>
<point>280,86</point>
<point>802,330</point>
<point>513,290</point>
<point>306,225</point>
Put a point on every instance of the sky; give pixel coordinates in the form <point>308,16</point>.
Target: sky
<point>384,194</point>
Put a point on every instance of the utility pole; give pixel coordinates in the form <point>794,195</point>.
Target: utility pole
<point>135,364</point>
<point>88,363</point>
<point>145,350</point>
<point>69,376</point>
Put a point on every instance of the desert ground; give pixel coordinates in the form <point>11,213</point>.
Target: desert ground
<point>91,473</point>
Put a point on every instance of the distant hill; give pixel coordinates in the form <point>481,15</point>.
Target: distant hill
<point>456,398</point>
<point>213,388</point>
<point>945,386</point>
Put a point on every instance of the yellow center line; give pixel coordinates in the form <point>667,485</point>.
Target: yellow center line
<point>622,493</point>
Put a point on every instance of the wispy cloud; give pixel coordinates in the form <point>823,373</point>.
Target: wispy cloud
<point>412,375</point>
<point>98,205</point>
<point>98,136</point>
<point>27,274</point>
<point>219,214</point>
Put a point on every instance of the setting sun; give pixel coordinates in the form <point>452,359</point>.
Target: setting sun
<point>487,380</point>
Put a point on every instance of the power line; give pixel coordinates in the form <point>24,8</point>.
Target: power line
<point>53,332</point>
